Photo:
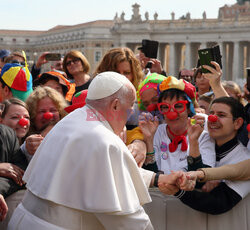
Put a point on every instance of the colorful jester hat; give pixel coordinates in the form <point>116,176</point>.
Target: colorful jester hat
<point>18,78</point>
<point>151,81</point>
<point>173,83</point>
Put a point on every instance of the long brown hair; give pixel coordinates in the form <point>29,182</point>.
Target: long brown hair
<point>114,57</point>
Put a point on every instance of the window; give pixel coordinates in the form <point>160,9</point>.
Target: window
<point>98,56</point>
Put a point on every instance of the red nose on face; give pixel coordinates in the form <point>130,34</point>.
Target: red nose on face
<point>48,115</point>
<point>152,107</point>
<point>212,118</point>
<point>172,115</point>
<point>248,128</point>
<point>23,122</point>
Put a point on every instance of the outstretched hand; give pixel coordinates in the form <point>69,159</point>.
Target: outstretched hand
<point>148,125</point>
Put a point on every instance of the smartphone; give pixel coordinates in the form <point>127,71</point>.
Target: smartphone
<point>208,55</point>
<point>53,57</point>
<point>248,78</point>
<point>149,48</point>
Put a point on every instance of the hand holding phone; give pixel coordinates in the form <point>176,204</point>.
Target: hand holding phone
<point>53,57</point>
<point>208,55</point>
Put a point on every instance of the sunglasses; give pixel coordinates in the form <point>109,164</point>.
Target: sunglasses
<point>179,107</point>
<point>17,62</point>
<point>68,63</point>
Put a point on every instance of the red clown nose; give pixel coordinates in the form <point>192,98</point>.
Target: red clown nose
<point>48,115</point>
<point>172,115</point>
<point>212,118</point>
<point>248,128</point>
<point>23,122</point>
<point>152,107</point>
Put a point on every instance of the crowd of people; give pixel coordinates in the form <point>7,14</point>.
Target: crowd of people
<point>86,147</point>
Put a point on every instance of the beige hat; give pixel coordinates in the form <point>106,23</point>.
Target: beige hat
<point>105,84</point>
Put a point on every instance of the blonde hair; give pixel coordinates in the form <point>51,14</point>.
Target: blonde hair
<point>114,57</point>
<point>73,54</point>
<point>231,85</point>
<point>42,92</point>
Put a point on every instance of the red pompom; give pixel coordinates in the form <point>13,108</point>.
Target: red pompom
<point>152,107</point>
<point>172,115</point>
<point>23,122</point>
<point>48,115</point>
<point>212,118</point>
<point>248,128</point>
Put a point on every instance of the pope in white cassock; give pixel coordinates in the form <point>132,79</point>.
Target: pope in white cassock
<point>82,175</point>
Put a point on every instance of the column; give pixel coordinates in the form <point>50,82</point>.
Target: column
<point>161,55</point>
<point>172,59</point>
<point>248,54</point>
<point>237,70</point>
<point>223,59</point>
<point>203,45</point>
<point>188,55</point>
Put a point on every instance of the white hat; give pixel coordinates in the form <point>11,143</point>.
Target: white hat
<point>105,84</point>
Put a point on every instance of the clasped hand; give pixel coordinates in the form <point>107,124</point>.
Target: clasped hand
<point>172,183</point>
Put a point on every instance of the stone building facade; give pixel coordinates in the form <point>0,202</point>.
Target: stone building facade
<point>179,39</point>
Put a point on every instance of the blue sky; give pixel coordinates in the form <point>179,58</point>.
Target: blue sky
<point>43,15</point>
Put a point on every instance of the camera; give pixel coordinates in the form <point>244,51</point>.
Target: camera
<point>209,54</point>
<point>149,65</point>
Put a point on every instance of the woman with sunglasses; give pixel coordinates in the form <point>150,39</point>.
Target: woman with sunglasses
<point>76,66</point>
<point>173,145</point>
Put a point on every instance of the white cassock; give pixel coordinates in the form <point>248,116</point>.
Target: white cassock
<point>83,177</point>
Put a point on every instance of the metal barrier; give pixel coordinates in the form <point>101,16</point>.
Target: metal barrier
<point>169,213</point>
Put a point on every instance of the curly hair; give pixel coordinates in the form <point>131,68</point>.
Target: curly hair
<point>114,57</point>
<point>39,93</point>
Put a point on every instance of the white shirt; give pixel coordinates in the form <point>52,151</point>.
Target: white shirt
<point>239,153</point>
<point>167,161</point>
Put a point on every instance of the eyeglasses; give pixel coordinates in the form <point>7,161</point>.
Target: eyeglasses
<point>179,107</point>
<point>68,63</point>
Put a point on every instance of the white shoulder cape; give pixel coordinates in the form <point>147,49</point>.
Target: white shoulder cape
<point>82,164</point>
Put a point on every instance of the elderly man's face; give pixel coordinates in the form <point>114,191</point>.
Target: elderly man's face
<point>123,111</point>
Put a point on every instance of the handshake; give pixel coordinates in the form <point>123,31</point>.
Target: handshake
<point>170,184</point>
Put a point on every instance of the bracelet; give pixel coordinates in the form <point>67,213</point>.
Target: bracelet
<point>157,178</point>
<point>151,153</point>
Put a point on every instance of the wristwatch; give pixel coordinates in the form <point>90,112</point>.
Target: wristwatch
<point>157,178</point>
<point>193,160</point>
